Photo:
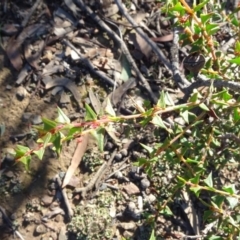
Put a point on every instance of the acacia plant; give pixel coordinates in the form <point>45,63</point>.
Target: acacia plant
<point>198,150</point>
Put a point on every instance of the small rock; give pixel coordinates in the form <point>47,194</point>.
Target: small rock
<point>36,119</point>
<point>118,175</point>
<point>127,225</point>
<point>53,186</point>
<point>118,157</point>
<point>179,120</point>
<point>131,189</point>
<point>9,174</point>
<point>54,236</point>
<point>47,57</point>
<point>56,90</point>
<point>46,200</point>
<point>62,234</point>
<point>112,211</point>
<point>47,99</point>
<point>124,152</point>
<point>8,87</point>
<point>145,183</point>
<point>151,198</point>
<point>21,93</point>
<point>103,187</point>
<point>59,218</point>
<point>109,146</point>
<point>74,182</point>
<point>26,116</point>
<point>65,98</point>
<point>131,206</point>
<point>40,229</point>
<point>140,203</point>
<point>132,211</point>
<point>127,234</point>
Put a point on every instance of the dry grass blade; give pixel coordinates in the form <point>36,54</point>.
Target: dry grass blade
<point>33,58</point>
<point>76,159</point>
<point>67,83</point>
<point>13,53</point>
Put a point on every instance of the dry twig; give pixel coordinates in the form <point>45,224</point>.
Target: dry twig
<point>121,43</point>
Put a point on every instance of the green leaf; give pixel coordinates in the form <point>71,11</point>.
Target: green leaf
<point>72,131</point>
<point>185,115</point>
<point>62,117</point>
<point>48,124</point>
<point>166,211</point>
<point>149,149</point>
<point>218,200</point>
<point>168,99</point>
<point>2,129</point>
<point>209,180</point>
<point>235,60</point>
<point>126,69</point>
<point>99,136</point>
<point>232,221</point>
<point>157,121</point>
<point>46,139</point>
<point>230,189</point>
<point>195,180</point>
<point>205,17</point>
<point>207,215</point>
<point>161,102</point>
<point>236,114</point>
<point>204,107</point>
<point>235,21</point>
<point>200,5</point>
<point>21,151</point>
<point>194,97</point>
<point>215,237</point>
<point>232,202</point>
<point>196,190</point>
<point>56,140</point>
<point>178,8</point>
<point>189,160</point>
<point>141,161</point>
<point>237,46</point>
<point>152,237</point>
<point>212,28</point>
<point>90,114</point>
<point>26,161</point>
<point>39,153</point>
<point>109,108</point>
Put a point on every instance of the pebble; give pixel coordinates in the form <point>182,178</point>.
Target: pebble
<point>53,186</point>
<point>151,198</point>
<point>8,87</point>
<point>59,218</point>
<point>140,203</point>
<point>118,157</point>
<point>109,146</point>
<point>9,174</point>
<point>145,183</point>
<point>36,119</point>
<point>127,225</point>
<point>74,182</point>
<point>124,152</point>
<point>21,93</point>
<point>127,234</point>
<point>131,189</point>
<point>40,229</point>
<point>26,116</point>
<point>46,200</point>
<point>62,234</point>
<point>118,175</point>
<point>64,99</point>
